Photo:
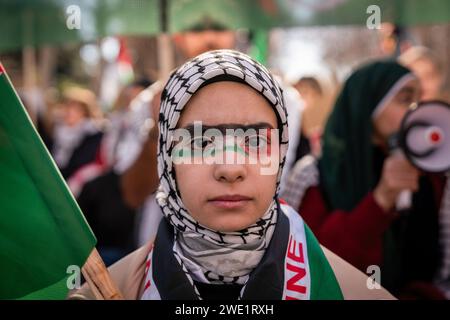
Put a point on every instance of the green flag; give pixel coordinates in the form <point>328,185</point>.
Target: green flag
<point>44,237</point>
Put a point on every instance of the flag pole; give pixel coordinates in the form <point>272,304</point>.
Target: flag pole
<point>99,279</point>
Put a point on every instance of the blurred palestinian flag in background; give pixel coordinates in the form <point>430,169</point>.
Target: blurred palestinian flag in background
<point>42,230</point>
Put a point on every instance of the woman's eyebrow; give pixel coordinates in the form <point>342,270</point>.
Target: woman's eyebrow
<point>223,127</point>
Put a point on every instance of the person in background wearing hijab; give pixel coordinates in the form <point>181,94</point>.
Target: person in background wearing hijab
<point>348,196</point>
<point>225,233</point>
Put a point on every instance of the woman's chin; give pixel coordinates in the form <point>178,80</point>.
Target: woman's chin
<point>230,224</point>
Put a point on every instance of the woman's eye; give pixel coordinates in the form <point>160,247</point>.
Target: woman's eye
<point>256,141</point>
<point>406,98</point>
<point>201,143</point>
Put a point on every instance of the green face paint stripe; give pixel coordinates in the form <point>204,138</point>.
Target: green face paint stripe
<point>184,152</point>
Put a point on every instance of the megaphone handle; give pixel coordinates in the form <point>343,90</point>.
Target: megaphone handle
<point>404,200</point>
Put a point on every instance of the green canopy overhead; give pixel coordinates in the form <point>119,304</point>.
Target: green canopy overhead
<point>38,22</point>
<point>261,14</point>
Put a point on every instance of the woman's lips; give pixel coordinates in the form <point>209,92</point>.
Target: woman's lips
<point>230,201</point>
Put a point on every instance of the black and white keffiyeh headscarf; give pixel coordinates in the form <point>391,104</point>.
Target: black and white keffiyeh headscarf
<point>207,255</point>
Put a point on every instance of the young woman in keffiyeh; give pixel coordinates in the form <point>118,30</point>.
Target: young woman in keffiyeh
<point>226,235</point>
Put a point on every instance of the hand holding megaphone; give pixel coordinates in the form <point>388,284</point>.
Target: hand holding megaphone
<point>398,175</point>
<point>424,138</point>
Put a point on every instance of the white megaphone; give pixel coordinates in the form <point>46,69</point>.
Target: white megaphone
<point>424,138</point>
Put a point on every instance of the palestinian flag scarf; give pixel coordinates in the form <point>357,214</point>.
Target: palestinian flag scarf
<point>293,267</point>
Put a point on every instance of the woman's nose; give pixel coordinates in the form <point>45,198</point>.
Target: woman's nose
<point>230,173</point>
